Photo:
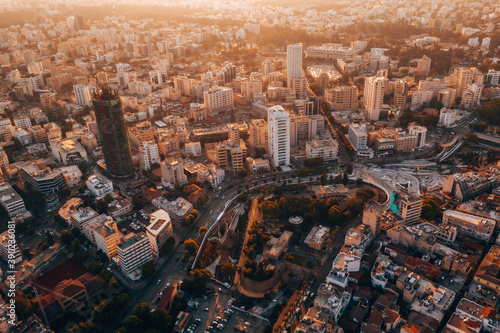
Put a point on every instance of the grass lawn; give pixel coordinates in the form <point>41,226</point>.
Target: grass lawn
<point>305,262</point>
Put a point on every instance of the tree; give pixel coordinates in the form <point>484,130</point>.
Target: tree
<point>160,319</point>
<point>471,138</point>
<point>142,311</point>
<point>359,182</point>
<point>66,237</point>
<point>338,179</point>
<point>50,239</point>
<point>24,307</point>
<point>345,178</point>
<point>102,207</point>
<point>64,193</point>
<point>132,323</point>
<point>191,246</point>
<point>335,215</point>
<point>316,89</point>
<point>227,271</point>
<point>137,202</point>
<point>75,245</point>
<point>365,194</point>
<point>243,173</point>
<point>148,270</point>
<point>430,210</point>
<point>202,231</point>
<point>94,267</point>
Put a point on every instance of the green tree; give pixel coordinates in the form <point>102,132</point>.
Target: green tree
<point>227,271</point>
<point>94,267</point>
<point>142,311</point>
<point>191,246</point>
<point>66,237</point>
<point>137,202</point>
<point>148,270</point>
<point>243,173</point>
<point>24,307</point>
<point>335,215</point>
<point>161,320</point>
<point>338,179</point>
<point>349,168</point>
<point>132,323</point>
<point>430,210</point>
<point>359,182</point>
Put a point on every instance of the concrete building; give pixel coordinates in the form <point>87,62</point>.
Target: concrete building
<point>465,186</point>
<point>420,132</point>
<point>279,136</point>
<point>447,117</point>
<point>218,99</point>
<point>68,152</point>
<point>407,205</point>
<point>11,200</point>
<point>99,185</point>
<point>424,65</point>
<point>38,134</point>
<point>9,250</point>
<point>357,136</point>
<point>326,149</point>
<point>106,240</point>
<point>193,149</point>
<point>81,216</point>
<point>405,142</point>
<point>83,94</point>
<point>172,172</point>
<point>148,155</point>
<point>342,98</point>
<point>305,128</point>
<point>373,96</point>
<point>159,230</point>
<point>294,61</point>
<point>133,252</point>
<point>317,237</point>
<point>258,134</point>
<point>470,225</point>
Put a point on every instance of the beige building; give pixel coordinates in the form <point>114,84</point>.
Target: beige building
<point>326,149</point>
<point>404,142</point>
<point>342,98</point>
<point>106,240</point>
<point>258,132</point>
<point>470,225</point>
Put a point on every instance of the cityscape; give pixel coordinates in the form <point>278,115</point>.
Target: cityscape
<point>249,166</point>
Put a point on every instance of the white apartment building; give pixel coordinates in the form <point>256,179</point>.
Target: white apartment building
<point>23,136</point>
<point>327,149</point>
<point>22,122</point>
<point>172,172</point>
<point>279,135</point>
<point>11,200</point>
<point>148,154</point>
<point>99,185</point>
<point>294,60</point>
<point>357,136</point>
<point>82,94</point>
<point>68,152</point>
<point>420,132</point>
<point>81,216</point>
<point>193,149</point>
<point>447,117</point>
<point>159,230</point>
<point>133,252</point>
<point>218,99</point>
<point>470,225</point>
<point>374,96</point>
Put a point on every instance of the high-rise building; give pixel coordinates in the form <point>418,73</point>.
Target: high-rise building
<point>82,94</point>
<point>113,134</point>
<point>424,65</point>
<point>134,251</point>
<point>279,135</point>
<point>407,205</point>
<point>374,96</point>
<point>148,154</point>
<point>172,171</point>
<point>400,94</point>
<point>294,60</point>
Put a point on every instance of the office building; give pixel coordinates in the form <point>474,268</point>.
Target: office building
<point>37,176</point>
<point>11,200</point>
<point>279,136</point>
<point>133,252</point>
<point>82,216</point>
<point>113,134</point>
<point>373,96</point>
<point>405,142</point>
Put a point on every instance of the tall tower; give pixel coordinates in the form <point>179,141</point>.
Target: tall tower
<point>294,60</point>
<point>279,135</point>
<point>374,96</point>
<point>113,134</point>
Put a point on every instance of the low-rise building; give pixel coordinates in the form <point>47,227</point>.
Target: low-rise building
<point>470,225</point>
<point>159,230</point>
<point>317,237</point>
<point>68,152</point>
<point>277,246</point>
<point>193,149</point>
<point>99,185</point>
<point>177,209</point>
<point>257,165</point>
<point>327,149</point>
<point>338,191</point>
<point>343,266</point>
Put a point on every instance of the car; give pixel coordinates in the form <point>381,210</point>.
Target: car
<point>210,212</point>
<point>205,309</point>
<point>158,282</point>
<point>247,324</point>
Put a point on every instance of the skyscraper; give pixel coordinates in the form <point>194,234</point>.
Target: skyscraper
<point>279,135</point>
<point>374,96</point>
<point>113,134</point>
<point>294,60</point>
